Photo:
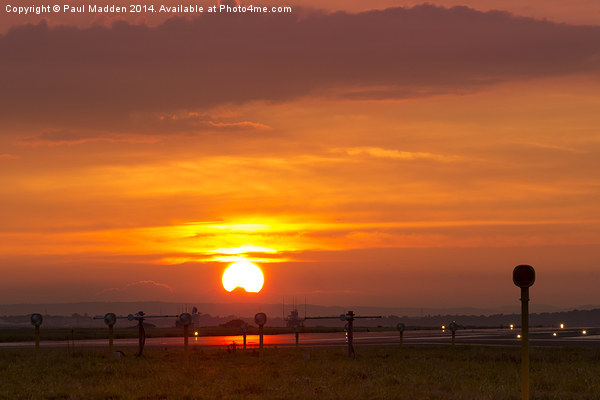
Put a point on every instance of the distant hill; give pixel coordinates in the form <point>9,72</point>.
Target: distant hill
<point>249,309</point>
<point>80,315</point>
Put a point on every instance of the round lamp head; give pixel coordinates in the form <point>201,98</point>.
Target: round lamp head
<point>453,326</point>
<point>185,319</point>
<point>523,276</point>
<point>110,319</point>
<point>343,317</point>
<point>36,319</point>
<point>400,327</point>
<point>244,328</point>
<point>260,318</point>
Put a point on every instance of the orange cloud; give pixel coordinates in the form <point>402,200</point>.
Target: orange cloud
<point>140,290</point>
<point>398,155</point>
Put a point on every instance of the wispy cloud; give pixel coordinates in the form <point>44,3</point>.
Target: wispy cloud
<point>69,138</point>
<point>379,152</point>
<point>139,284</point>
<point>551,146</point>
<point>142,128</point>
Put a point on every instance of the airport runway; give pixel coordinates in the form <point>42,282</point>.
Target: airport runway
<point>573,337</point>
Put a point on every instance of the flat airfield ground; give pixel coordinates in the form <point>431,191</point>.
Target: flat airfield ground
<point>377,372</point>
<point>571,337</point>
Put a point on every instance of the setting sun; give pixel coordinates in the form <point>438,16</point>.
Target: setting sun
<point>245,275</point>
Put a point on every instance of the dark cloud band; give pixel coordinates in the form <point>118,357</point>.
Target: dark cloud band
<point>69,75</point>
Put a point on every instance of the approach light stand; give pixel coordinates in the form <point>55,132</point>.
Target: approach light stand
<point>36,320</point>
<point>141,331</point>
<point>524,277</point>
<point>110,319</point>
<point>185,319</point>
<point>349,317</point>
<point>400,328</point>
<point>453,328</point>
<point>140,317</point>
<point>260,319</point>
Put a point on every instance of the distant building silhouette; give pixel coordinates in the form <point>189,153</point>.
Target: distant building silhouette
<point>293,319</point>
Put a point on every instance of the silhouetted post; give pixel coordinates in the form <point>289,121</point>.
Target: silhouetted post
<point>36,321</point>
<point>185,319</point>
<point>141,331</point>
<point>110,338</point>
<point>453,328</point>
<point>110,319</point>
<point>296,330</point>
<point>244,330</point>
<point>185,337</point>
<point>349,317</point>
<point>400,328</point>
<point>261,320</point>
<point>524,277</point>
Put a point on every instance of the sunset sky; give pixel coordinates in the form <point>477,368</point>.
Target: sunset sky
<point>407,155</point>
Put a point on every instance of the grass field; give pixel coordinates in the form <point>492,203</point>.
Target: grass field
<point>465,372</point>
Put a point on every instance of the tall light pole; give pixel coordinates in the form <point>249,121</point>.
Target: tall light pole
<point>524,277</point>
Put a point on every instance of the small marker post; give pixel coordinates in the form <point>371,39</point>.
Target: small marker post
<point>400,328</point>
<point>244,330</point>
<point>261,320</point>
<point>349,328</point>
<point>110,319</point>
<point>185,319</point>
<point>453,328</point>
<point>297,330</point>
<point>36,321</point>
<point>139,317</point>
<point>524,277</point>
<point>350,318</point>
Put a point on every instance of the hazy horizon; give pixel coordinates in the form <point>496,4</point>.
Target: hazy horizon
<point>274,310</point>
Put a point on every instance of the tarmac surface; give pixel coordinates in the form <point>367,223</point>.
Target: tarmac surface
<point>572,337</point>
